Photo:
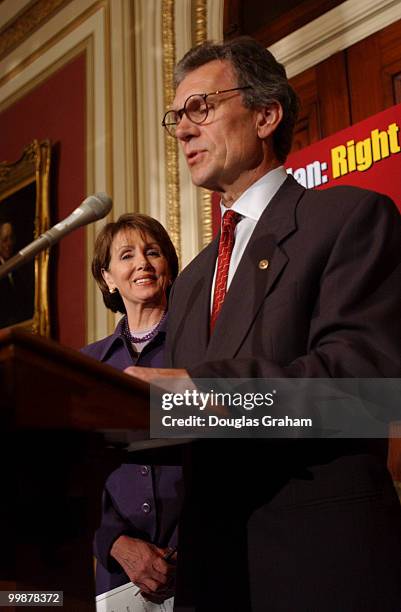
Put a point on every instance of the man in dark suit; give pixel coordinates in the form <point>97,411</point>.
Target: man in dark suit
<point>299,284</point>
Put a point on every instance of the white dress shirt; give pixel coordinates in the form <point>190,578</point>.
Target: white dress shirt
<point>250,205</point>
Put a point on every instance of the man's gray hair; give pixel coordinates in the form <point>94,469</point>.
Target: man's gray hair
<point>255,66</point>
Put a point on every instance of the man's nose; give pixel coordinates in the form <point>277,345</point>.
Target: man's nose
<point>186,129</point>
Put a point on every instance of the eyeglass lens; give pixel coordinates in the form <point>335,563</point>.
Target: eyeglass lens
<point>195,108</point>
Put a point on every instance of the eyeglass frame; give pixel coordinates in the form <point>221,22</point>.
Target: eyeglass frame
<point>181,112</point>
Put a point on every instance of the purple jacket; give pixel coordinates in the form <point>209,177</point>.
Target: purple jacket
<point>140,499</point>
<point>114,349</point>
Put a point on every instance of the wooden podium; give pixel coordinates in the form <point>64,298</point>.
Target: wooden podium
<point>54,405</point>
<point>54,402</point>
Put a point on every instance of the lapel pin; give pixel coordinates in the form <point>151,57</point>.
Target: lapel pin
<point>263,264</point>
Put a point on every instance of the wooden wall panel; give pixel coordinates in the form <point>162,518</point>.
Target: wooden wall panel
<point>324,98</point>
<point>397,88</point>
<point>349,86</point>
<point>307,129</point>
<point>390,47</point>
<point>269,22</point>
<point>333,95</point>
<point>374,69</point>
<point>365,81</point>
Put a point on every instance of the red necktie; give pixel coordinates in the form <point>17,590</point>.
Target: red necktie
<point>226,244</point>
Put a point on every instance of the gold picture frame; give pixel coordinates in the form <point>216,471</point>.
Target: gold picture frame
<point>24,216</point>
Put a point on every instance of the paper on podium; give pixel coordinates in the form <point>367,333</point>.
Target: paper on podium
<point>123,599</point>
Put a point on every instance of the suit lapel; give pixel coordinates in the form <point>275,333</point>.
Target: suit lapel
<point>194,307</point>
<point>252,281</point>
<point>202,313</point>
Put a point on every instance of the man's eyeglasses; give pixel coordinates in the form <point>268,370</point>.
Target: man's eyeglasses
<point>195,108</point>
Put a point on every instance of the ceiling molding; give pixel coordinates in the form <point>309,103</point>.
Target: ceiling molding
<point>334,31</point>
<point>27,21</point>
<point>9,9</point>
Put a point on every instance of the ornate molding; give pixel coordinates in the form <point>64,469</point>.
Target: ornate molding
<point>16,173</point>
<point>172,179</point>
<point>207,224</point>
<point>200,35</point>
<point>334,31</point>
<point>200,11</point>
<point>27,22</point>
<point>33,167</point>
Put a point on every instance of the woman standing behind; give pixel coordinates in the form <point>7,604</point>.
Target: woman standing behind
<point>134,265</point>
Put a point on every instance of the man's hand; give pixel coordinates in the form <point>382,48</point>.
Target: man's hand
<point>150,374</point>
<point>180,382</point>
<point>144,564</point>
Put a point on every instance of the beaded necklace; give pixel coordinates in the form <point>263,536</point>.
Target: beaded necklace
<point>147,337</point>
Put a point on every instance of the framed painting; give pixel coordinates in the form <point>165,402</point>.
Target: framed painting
<point>24,215</point>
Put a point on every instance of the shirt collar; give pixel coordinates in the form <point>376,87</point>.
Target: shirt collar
<point>254,200</point>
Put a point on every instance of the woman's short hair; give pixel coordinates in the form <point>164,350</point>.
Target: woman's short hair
<point>102,254</point>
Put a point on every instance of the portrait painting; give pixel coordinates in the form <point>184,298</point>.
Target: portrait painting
<point>24,187</point>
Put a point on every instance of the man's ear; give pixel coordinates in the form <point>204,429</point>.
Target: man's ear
<point>268,119</point>
<point>109,280</point>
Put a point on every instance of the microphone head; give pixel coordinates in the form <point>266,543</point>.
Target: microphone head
<point>98,204</point>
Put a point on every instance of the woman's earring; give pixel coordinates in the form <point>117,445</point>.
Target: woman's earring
<point>113,290</point>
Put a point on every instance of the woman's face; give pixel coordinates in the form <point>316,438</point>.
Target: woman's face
<point>138,269</point>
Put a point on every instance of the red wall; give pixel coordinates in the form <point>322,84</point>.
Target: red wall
<point>55,109</point>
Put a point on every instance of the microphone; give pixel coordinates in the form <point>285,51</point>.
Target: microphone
<point>92,208</point>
